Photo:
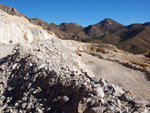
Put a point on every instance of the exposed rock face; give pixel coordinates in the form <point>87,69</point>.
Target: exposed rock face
<point>46,76</point>
<point>9,10</point>
<point>39,22</point>
<point>14,29</point>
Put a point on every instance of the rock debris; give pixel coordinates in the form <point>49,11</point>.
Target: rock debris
<point>47,77</point>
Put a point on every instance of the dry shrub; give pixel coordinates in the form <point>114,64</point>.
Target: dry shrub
<point>141,64</point>
<point>100,50</point>
<point>91,48</point>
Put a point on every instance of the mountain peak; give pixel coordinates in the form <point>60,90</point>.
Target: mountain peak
<point>110,22</point>
<point>108,19</point>
<point>53,23</point>
<point>108,25</point>
<point>146,23</point>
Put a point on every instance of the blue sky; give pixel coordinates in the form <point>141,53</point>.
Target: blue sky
<point>84,12</point>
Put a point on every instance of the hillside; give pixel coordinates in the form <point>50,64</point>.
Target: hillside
<point>105,26</point>
<point>134,38</point>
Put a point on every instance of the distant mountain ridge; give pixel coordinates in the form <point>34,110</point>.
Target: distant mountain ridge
<point>133,38</point>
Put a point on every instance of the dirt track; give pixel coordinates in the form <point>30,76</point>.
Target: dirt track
<point>132,80</point>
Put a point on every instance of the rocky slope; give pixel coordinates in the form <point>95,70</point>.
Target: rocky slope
<point>14,29</point>
<point>9,10</point>
<point>47,76</point>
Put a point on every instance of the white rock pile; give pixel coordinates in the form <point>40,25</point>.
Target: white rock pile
<point>47,77</point>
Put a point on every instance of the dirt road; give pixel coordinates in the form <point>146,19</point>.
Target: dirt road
<point>132,80</point>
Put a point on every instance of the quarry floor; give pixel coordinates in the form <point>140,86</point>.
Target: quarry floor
<point>129,79</point>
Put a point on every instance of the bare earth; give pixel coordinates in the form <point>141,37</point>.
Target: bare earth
<point>5,50</point>
<point>132,80</point>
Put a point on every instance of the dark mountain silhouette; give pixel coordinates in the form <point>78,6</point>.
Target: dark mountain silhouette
<point>133,38</point>
<point>147,23</point>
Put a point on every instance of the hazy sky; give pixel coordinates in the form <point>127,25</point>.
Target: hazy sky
<point>84,12</point>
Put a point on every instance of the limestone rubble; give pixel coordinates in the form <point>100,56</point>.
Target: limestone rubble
<point>47,76</point>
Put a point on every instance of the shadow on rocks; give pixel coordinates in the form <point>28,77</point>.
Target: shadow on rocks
<point>31,89</point>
